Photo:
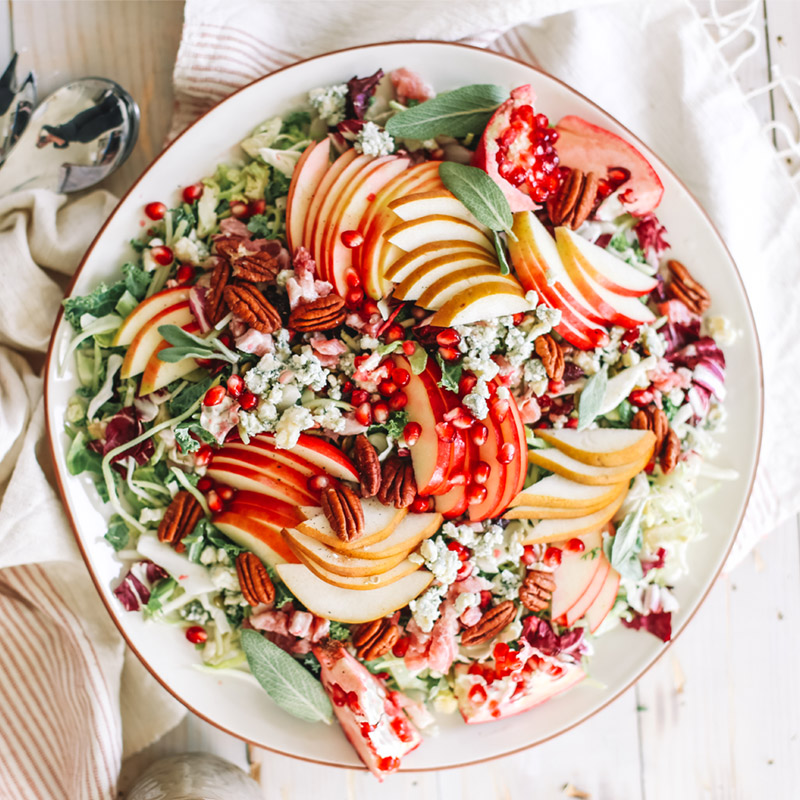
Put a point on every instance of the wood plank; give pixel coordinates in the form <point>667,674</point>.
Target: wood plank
<point>133,42</point>
<point>730,730</point>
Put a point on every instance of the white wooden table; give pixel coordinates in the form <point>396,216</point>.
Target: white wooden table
<point>718,716</point>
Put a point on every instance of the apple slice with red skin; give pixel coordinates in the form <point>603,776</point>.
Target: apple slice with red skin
<point>601,266</point>
<point>575,573</point>
<point>373,258</point>
<point>283,456</point>
<point>148,339</point>
<point>262,538</point>
<point>454,502</point>
<point>485,156</point>
<point>264,507</point>
<point>321,192</point>
<point>146,310</point>
<point>353,689</point>
<point>584,602</point>
<point>318,452</point>
<point>590,148</point>
<point>239,476</point>
<point>336,257</point>
<point>158,374</point>
<point>306,178</point>
<point>265,465</point>
<point>512,698</point>
<point>604,602</point>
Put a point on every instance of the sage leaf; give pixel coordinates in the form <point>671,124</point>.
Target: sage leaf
<point>457,113</point>
<point>591,398</point>
<point>626,544</point>
<point>289,684</point>
<point>500,249</point>
<point>479,193</point>
<point>418,360</point>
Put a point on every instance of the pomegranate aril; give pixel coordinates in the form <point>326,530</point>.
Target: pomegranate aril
<point>499,410</point>
<point>445,431</point>
<point>459,479</point>
<point>575,545</point>
<point>398,401</point>
<point>359,396</point>
<point>465,570</point>
<point>226,493</point>
<point>351,239</point>
<point>192,193</point>
<point>248,401</point>
<point>388,764</point>
<point>352,280</point>
<point>552,556</point>
<point>338,695</point>
<point>449,353</point>
<point>476,493</point>
<point>155,211</point>
<point>506,453</point>
<point>184,273</point>
<point>409,348</point>
<point>572,422</point>
<point>316,483</point>
<point>400,376</point>
<point>203,455</point>
<point>380,411</point>
<point>486,599</point>
<point>162,255</point>
<point>204,484</point>
<point>467,383</point>
<point>369,308</point>
<point>411,433</point>
<point>641,397</point>
<point>480,472</point>
<point>477,695</point>
<point>239,210</point>
<point>354,298</point>
<point>256,207</point>
<point>554,387</point>
<point>448,337</point>
<point>196,634</point>
<point>479,433</point>
<point>214,501</point>
<point>459,549</point>
<point>394,333</point>
<point>235,385</point>
<point>464,421</point>
<point>517,319</point>
<point>401,647</point>
<point>387,388</point>
<point>363,413</point>
<point>214,396</point>
<point>528,556</point>
<point>420,505</point>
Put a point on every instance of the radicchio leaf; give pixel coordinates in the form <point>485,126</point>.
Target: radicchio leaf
<point>122,427</point>
<point>655,563</point>
<point>134,589</point>
<point>359,92</point>
<point>540,634</point>
<point>659,623</point>
<point>651,234</point>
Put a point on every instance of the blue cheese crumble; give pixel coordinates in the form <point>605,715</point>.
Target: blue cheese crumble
<point>329,102</point>
<point>373,141</point>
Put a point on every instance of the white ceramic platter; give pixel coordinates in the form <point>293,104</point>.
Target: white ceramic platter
<point>238,705</point>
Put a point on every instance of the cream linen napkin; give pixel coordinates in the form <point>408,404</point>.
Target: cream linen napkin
<point>73,699</point>
<point>650,63</point>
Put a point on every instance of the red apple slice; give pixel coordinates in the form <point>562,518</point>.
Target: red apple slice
<point>454,502</point>
<point>318,452</point>
<point>584,602</point>
<point>321,192</point>
<point>146,310</point>
<point>283,456</point>
<point>306,178</point>
<point>239,476</point>
<point>263,539</point>
<point>604,602</point>
<point>610,272</point>
<point>148,339</point>
<point>268,509</point>
<point>158,374</point>
<point>575,573</point>
<point>591,148</point>
<point>260,462</point>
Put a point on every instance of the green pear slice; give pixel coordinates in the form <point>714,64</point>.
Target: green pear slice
<point>351,605</point>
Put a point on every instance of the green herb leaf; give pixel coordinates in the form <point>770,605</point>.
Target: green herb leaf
<point>188,396</point>
<point>99,303</point>
<point>339,630</point>
<point>189,434</point>
<point>591,398</point>
<point>173,354</point>
<point>479,193</point>
<point>117,534</point>
<point>451,374</point>
<point>291,686</point>
<point>259,225</point>
<point>159,593</point>
<point>136,280</point>
<point>395,424</point>
<point>81,459</point>
<point>187,345</point>
<point>623,552</point>
<point>458,113</point>
<point>500,249</point>
<point>205,535</point>
<point>418,360</point>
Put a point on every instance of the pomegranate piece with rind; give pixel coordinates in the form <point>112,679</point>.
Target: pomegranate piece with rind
<point>373,722</point>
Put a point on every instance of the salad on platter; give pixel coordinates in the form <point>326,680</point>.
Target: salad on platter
<point>399,412</point>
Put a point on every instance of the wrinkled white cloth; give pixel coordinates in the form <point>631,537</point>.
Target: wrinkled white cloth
<point>651,64</point>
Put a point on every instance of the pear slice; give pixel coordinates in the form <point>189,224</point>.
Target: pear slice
<point>432,251</point>
<point>416,232</point>
<point>559,492</point>
<point>439,201</point>
<point>379,523</point>
<point>415,282</point>
<point>493,297</point>
<point>347,605</point>
<point>412,530</point>
<point>310,550</point>
<point>361,583</point>
<point>602,447</point>
<point>551,512</point>
<point>552,530</point>
<point>461,281</point>
<point>562,464</point>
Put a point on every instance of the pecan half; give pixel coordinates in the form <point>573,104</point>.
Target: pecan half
<point>366,460</point>
<point>653,419</point>
<point>182,514</point>
<point>375,639</point>
<point>256,267</point>
<point>490,624</point>
<point>537,590</point>
<point>230,247</point>
<point>685,288</point>
<point>343,510</point>
<point>220,278</point>
<point>398,484</point>
<point>573,204</point>
<point>670,453</point>
<point>549,350</point>
<point>252,307</point>
<point>254,579</point>
<point>322,314</point>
